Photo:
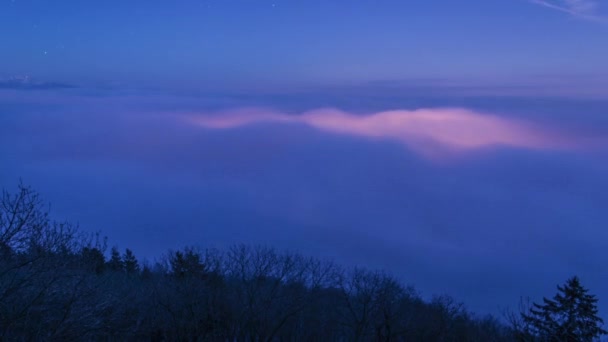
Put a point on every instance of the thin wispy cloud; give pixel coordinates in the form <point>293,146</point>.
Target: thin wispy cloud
<point>27,83</point>
<point>583,9</point>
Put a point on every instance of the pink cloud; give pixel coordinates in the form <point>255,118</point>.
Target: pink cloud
<point>430,132</point>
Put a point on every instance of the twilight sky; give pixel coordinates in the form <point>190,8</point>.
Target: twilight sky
<point>273,43</point>
<point>461,145</point>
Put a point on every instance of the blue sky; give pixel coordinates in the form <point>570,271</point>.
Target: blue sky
<point>234,43</point>
<point>461,145</point>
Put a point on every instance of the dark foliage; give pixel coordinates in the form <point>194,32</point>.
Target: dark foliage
<point>56,284</point>
<point>570,316</point>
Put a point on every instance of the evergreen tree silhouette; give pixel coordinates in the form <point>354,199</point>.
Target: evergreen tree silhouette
<point>570,316</point>
<point>115,262</point>
<point>93,259</point>
<point>186,263</point>
<point>129,262</point>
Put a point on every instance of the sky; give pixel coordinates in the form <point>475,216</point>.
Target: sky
<point>460,145</point>
<point>275,43</point>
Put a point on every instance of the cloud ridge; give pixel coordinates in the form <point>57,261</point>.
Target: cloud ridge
<point>433,133</point>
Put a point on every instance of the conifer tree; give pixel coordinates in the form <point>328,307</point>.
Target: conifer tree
<point>186,263</point>
<point>115,262</point>
<point>93,259</point>
<point>129,262</point>
<point>570,316</point>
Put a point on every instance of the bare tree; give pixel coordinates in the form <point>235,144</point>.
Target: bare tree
<point>55,284</point>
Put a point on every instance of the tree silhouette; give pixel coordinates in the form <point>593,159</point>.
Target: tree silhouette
<point>186,263</point>
<point>115,262</point>
<point>56,284</point>
<point>570,316</point>
<point>129,262</point>
<point>93,259</point>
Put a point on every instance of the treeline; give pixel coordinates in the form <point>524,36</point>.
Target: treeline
<point>58,284</point>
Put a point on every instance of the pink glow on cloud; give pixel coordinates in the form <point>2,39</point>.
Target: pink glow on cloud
<point>430,132</point>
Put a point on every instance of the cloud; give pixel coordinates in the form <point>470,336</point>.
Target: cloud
<point>584,9</point>
<point>26,83</point>
<point>122,163</point>
<point>433,133</point>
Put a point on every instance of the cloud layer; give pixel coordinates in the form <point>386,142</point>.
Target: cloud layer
<point>430,132</point>
<point>505,223</point>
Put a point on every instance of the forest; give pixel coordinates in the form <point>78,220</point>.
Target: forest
<point>58,283</point>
